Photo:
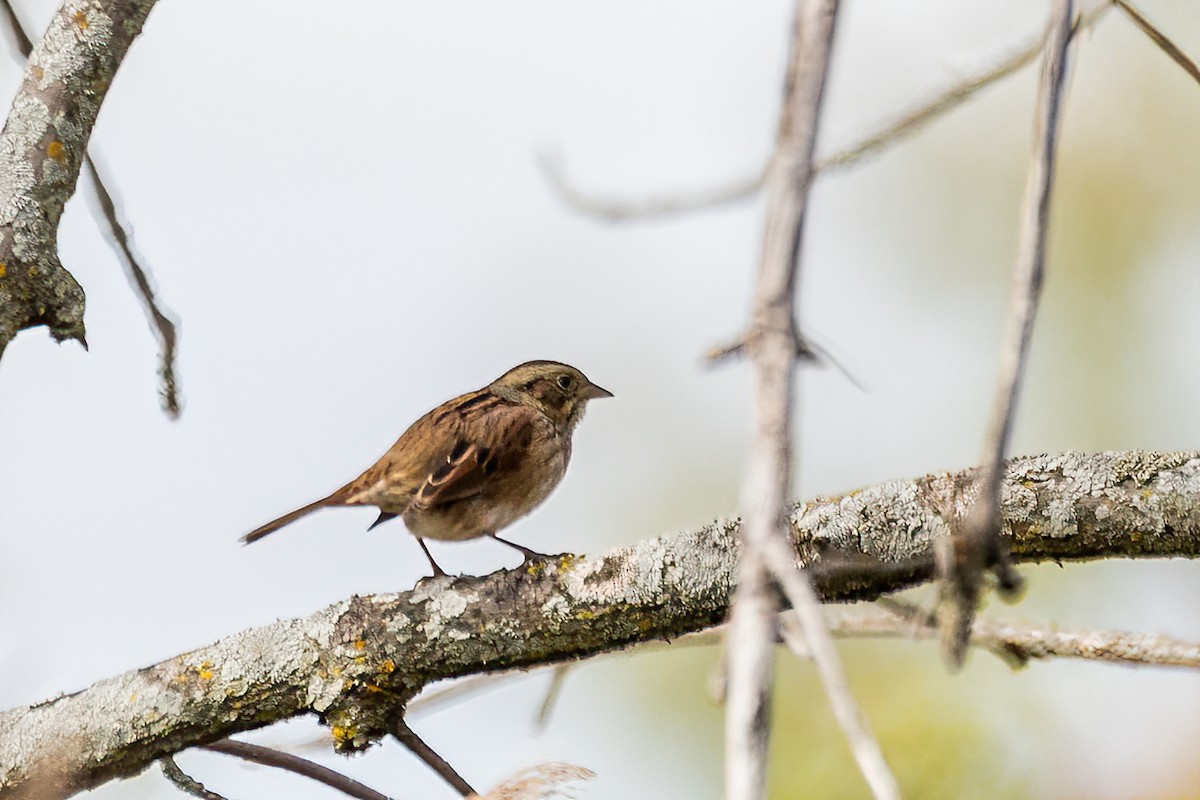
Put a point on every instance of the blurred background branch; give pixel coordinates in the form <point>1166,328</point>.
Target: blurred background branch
<point>978,546</point>
<point>624,209</point>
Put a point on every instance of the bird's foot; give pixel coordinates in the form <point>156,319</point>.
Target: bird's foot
<point>533,555</point>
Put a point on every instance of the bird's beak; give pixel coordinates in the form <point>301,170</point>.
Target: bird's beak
<point>594,392</point>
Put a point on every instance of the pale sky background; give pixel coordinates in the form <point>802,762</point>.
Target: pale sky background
<point>341,203</point>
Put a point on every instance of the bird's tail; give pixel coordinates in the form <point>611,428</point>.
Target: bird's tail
<point>287,519</point>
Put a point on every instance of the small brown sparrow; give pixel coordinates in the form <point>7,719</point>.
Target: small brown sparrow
<point>475,464</point>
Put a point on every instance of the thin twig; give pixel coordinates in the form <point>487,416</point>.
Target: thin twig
<point>912,121</point>
<point>160,320</point>
<point>185,782</point>
<point>616,209</point>
<point>24,45</point>
<point>414,743</point>
<point>623,209</point>
<point>430,702</point>
<point>269,757</point>
<point>558,679</point>
<point>819,646</point>
<point>771,345</point>
<point>1019,644</point>
<point>1160,39</point>
<point>1015,644</point>
<point>964,558</point>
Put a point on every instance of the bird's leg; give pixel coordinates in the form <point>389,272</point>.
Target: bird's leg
<point>438,572</point>
<point>530,555</point>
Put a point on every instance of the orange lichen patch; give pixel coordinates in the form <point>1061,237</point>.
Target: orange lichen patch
<point>343,735</point>
<point>3,269</point>
<point>387,667</point>
<point>359,644</point>
<point>56,150</point>
<point>81,19</point>
<point>205,674</point>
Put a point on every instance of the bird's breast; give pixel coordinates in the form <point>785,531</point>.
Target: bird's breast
<point>510,493</point>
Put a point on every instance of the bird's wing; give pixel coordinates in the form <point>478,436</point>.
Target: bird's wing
<point>485,444</point>
<point>461,474</point>
<point>447,455</point>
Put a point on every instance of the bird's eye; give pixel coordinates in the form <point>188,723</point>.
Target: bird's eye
<point>565,382</point>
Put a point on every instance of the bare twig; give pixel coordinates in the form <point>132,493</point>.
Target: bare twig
<point>1160,39</point>
<point>457,691</point>
<point>1015,644</point>
<point>157,315</point>
<point>414,743</point>
<point>912,121</point>
<point>1019,644</point>
<point>615,209</point>
<point>964,558</point>
<point>772,346</point>
<point>24,45</point>
<point>159,319</point>
<point>185,782</point>
<point>819,646</point>
<point>623,209</point>
<point>269,757</point>
<point>558,679</point>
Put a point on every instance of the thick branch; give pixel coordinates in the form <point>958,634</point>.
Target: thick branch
<point>41,150</point>
<point>355,663</point>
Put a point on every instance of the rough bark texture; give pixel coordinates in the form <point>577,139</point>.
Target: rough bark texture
<point>41,150</point>
<point>356,663</point>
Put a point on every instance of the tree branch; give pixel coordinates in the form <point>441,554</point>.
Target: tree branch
<point>772,345</point>
<point>356,663</point>
<point>1018,644</point>
<point>41,150</point>
<point>269,757</point>
<point>1159,38</point>
<point>139,277</point>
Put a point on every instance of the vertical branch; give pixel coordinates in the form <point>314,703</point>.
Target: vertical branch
<point>980,547</point>
<point>772,344</point>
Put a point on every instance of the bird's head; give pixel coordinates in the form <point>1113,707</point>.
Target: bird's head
<point>558,390</point>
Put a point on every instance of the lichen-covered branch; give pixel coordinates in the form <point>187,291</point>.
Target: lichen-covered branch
<point>42,147</point>
<point>356,663</point>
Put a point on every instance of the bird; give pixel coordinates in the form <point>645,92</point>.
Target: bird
<point>475,464</point>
